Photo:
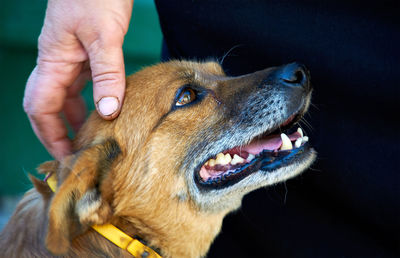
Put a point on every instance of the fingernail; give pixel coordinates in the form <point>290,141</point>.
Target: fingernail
<point>108,105</point>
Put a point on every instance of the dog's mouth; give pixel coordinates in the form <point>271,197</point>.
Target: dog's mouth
<point>266,152</point>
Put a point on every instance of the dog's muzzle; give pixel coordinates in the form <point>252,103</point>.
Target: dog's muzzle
<point>281,99</point>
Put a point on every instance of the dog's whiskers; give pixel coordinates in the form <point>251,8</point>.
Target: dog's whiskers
<point>306,124</point>
<point>286,192</point>
<point>315,169</point>
<point>227,53</point>
<point>314,106</point>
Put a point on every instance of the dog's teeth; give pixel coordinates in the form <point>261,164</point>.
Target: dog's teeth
<point>221,160</point>
<point>220,155</point>
<point>286,143</point>
<point>305,139</point>
<point>298,142</point>
<point>250,157</point>
<point>236,159</point>
<point>228,158</point>
<point>211,162</point>
<point>206,164</point>
<point>300,132</point>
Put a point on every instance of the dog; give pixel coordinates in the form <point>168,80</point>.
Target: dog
<point>189,143</point>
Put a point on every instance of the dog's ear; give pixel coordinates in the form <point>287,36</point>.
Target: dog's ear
<point>82,198</point>
<point>49,167</point>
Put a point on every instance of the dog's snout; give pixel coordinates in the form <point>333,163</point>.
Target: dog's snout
<point>294,75</point>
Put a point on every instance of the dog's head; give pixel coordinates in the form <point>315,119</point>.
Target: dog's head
<point>189,143</point>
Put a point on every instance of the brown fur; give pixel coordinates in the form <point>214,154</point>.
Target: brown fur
<point>127,172</point>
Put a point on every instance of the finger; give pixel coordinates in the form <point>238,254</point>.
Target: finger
<point>75,112</point>
<point>44,100</point>
<point>108,75</point>
<point>74,106</point>
<point>52,133</point>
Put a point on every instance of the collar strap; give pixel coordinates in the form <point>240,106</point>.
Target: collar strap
<point>112,233</point>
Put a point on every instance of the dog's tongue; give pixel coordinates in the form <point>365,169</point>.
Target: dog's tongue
<point>271,142</point>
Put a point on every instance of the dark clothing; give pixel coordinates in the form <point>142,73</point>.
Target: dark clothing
<point>347,204</point>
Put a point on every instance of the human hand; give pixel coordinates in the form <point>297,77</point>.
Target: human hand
<point>80,39</point>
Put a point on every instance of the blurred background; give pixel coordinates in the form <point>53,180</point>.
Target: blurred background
<point>20,25</point>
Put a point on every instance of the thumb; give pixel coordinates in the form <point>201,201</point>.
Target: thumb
<point>108,75</point>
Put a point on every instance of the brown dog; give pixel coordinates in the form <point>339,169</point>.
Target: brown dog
<point>189,143</point>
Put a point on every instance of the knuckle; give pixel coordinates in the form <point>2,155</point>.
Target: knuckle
<point>26,106</point>
<point>105,79</point>
<point>108,36</point>
<point>41,39</point>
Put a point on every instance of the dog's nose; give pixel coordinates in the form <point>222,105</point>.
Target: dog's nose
<point>294,75</point>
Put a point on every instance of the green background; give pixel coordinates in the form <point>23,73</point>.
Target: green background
<point>20,24</point>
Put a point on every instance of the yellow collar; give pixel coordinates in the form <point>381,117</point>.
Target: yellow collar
<point>112,233</point>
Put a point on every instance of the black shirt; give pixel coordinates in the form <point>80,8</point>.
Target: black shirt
<point>347,204</point>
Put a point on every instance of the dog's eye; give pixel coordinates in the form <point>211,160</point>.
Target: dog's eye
<point>185,97</point>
